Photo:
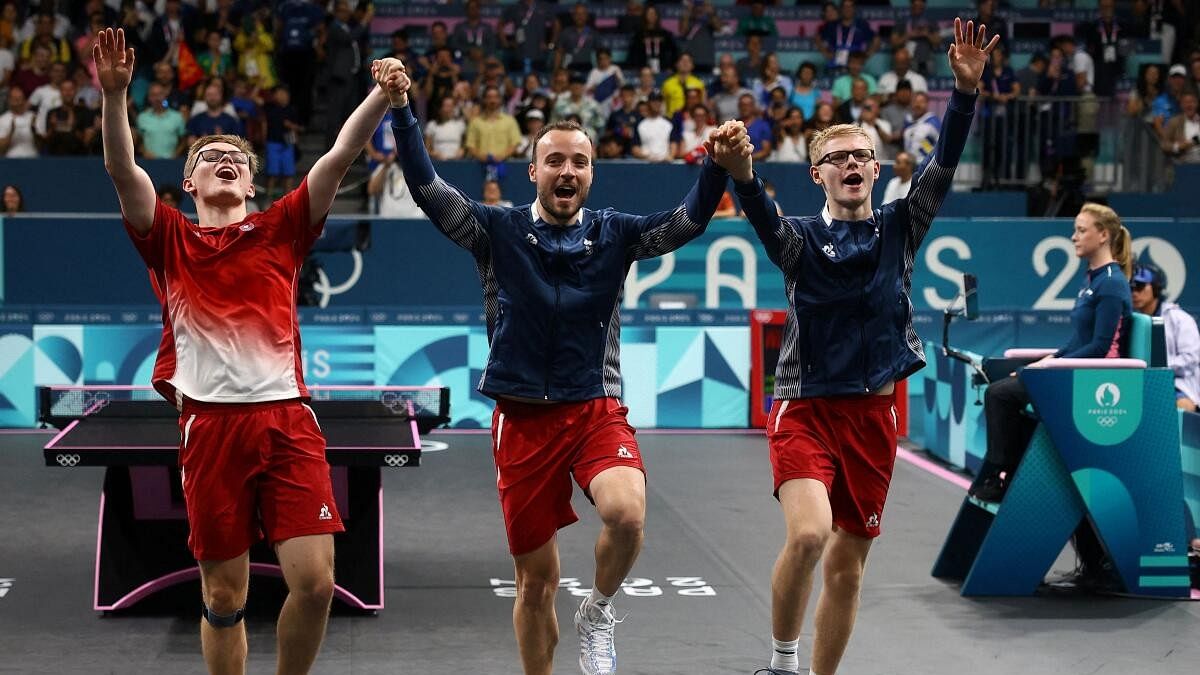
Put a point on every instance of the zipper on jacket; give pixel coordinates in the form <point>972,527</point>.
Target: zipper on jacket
<point>553,318</point>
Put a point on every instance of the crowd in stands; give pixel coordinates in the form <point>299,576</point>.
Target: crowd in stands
<point>484,87</point>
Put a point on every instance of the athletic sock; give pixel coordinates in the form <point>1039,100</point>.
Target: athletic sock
<point>783,655</point>
<point>597,599</point>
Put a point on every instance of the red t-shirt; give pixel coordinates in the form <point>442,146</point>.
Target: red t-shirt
<point>230,327</point>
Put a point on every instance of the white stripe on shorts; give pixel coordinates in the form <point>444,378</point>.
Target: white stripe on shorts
<point>187,429</point>
<point>314,414</point>
<point>499,434</point>
<point>779,415</point>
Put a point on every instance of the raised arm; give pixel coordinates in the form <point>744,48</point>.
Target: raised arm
<point>328,171</point>
<point>968,56</point>
<point>135,190</point>
<point>459,218</point>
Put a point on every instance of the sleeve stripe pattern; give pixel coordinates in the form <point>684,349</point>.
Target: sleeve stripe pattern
<point>451,213</point>
<point>676,232</point>
<point>612,351</point>
<point>926,198</point>
<point>792,244</point>
<point>789,378</point>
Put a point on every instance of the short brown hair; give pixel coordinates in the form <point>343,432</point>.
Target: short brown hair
<point>819,139</point>
<point>560,125</point>
<point>242,144</point>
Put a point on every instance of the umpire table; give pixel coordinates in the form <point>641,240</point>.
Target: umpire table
<point>141,536</point>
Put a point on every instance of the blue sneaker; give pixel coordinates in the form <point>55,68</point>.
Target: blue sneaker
<point>597,649</point>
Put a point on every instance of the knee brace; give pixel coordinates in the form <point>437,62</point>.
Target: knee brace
<point>222,620</point>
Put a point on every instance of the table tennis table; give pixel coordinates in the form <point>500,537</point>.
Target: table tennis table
<point>141,538</point>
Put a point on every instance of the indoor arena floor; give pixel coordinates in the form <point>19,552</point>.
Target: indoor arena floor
<point>710,517</point>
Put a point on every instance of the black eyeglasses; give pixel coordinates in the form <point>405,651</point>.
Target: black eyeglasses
<point>215,156</point>
<point>840,157</point>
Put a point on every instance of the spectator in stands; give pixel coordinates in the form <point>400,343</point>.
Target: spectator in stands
<point>14,201</point>
<point>441,75</point>
<point>610,147</point>
<point>382,144</point>
<point>777,108</point>
<point>135,24</point>
<point>164,75</point>
<point>68,127</point>
<point>522,98</point>
<point>997,90</point>
<point>526,27</point>
<point>83,45</point>
<point>604,79</point>
<point>393,197</point>
<point>850,110</point>
<point>680,81</point>
<point>922,130</point>
<point>8,24</point>
<point>1166,105</point>
<point>898,186</point>
<point>531,125</point>
<point>854,70</point>
<point>44,36</point>
<point>698,127</point>
<point>283,128</point>
<point>1029,76</point>
<point>821,120</point>
<point>8,64</point>
<point>246,104</point>
<point>17,136</point>
<point>790,144</point>
<point>986,16</point>
<point>473,39</point>
<point>653,141</point>
<point>444,133</point>
<point>806,93</point>
<point>1147,89</point>
<point>173,27</point>
<point>170,195</point>
<point>85,91</point>
<point>769,78</point>
<point>876,128</point>
<point>1103,40</point>
<point>212,59</point>
<point>725,99</point>
<point>919,36</point>
<point>682,117</point>
<point>576,42</point>
<point>48,96</point>
<point>343,63</point>
<point>1080,63</point>
<point>34,73</point>
<point>202,105</point>
<point>757,22</point>
<point>646,84</point>
<point>652,46</point>
<point>215,119</point>
<point>1183,338</point>
<point>439,37</point>
<point>750,66</point>
<point>492,196</point>
<point>623,121</point>
<point>634,18</point>
<point>493,136</point>
<point>298,23</point>
<point>1181,137</point>
<point>578,102</point>
<point>837,41</point>
<point>758,128</point>
<point>1194,68</point>
<point>400,49</point>
<point>896,113</point>
<point>225,20</point>
<point>161,128</point>
<point>493,75</point>
<point>901,70</point>
<point>698,29</point>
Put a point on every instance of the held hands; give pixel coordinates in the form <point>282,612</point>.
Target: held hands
<point>968,56</point>
<point>730,147</point>
<point>392,77</point>
<point>114,62</point>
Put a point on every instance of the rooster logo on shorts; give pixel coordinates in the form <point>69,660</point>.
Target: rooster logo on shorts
<point>873,521</point>
<point>325,513</point>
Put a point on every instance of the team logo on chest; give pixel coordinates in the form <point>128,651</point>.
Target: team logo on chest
<point>829,250</point>
<point>588,246</point>
<point>531,239</point>
<point>246,227</point>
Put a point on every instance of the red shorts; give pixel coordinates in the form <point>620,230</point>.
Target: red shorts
<point>846,442</point>
<point>250,469</point>
<point>538,448</point>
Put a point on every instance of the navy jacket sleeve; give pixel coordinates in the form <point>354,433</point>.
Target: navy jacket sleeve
<point>779,237</point>
<point>1109,313</point>
<point>461,219</point>
<point>663,232</point>
<point>934,179</point>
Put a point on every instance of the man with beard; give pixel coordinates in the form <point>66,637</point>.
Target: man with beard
<point>848,338</point>
<point>552,275</point>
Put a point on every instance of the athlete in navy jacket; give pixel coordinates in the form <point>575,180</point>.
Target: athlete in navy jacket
<point>552,274</point>
<point>848,338</point>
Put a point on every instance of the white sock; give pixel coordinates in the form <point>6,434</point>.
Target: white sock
<point>783,655</point>
<point>597,599</point>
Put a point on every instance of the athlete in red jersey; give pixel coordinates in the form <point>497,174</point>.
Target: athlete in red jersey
<point>251,454</point>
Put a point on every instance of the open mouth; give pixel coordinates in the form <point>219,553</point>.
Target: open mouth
<point>227,173</point>
<point>565,191</point>
<point>853,180</point>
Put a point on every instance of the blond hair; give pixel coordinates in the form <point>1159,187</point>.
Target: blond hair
<point>242,144</point>
<point>819,139</point>
<point>1120,242</point>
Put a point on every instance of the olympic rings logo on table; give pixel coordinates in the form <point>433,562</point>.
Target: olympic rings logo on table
<point>395,460</point>
<point>67,460</point>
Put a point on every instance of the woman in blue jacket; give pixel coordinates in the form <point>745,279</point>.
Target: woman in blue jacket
<point>1100,327</point>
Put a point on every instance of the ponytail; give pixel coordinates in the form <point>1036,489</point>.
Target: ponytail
<point>1122,246</point>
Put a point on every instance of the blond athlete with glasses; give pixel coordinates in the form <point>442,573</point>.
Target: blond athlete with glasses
<point>252,456</point>
<point>848,339</point>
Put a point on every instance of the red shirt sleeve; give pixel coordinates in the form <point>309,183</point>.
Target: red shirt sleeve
<point>292,214</point>
<point>152,246</point>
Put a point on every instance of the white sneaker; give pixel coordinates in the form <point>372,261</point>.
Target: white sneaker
<point>597,650</point>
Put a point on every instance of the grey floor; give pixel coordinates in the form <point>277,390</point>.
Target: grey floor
<point>710,516</point>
